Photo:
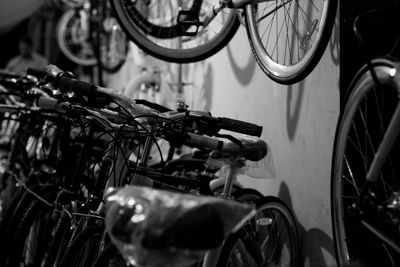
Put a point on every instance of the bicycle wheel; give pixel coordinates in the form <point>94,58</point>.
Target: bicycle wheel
<point>114,45</point>
<point>110,256</point>
<point>84,248</point>
<point>154,27</point>
<point>246,195</point>
<point>73,37</point>
<point>32,236</point>
<point>11,218</point>
<point>270,238</point>
<point>109,40</point>
<point>288,38</point>
<point>60,238</point>
<point>361,214</point>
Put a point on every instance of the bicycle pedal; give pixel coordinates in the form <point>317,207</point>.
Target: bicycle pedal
<point>189,22</point>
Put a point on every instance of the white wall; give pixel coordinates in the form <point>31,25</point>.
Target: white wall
<point>299,123</point>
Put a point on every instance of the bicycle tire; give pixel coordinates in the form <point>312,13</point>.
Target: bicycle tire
<point>303,45</point>
<point>32,236</point>
<point>109,41</point>
<point>163,40</point>
<point>72,42</point>
<point>60,239</point>
<point>360,128</point>
<point>110,256</point>
<point>279,247</point>
<point>84,248</point>
<point>17,208</point>
<point>246,195</point>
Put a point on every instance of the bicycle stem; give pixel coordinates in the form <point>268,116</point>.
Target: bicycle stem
<point>230,180</point>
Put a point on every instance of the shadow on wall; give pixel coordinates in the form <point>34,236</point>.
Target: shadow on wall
<point>314,243</point>
<point>334,43</point>
<point>199,78</point>
<point>295,95</point>
<point>293,110</point>
<point>242,74</point>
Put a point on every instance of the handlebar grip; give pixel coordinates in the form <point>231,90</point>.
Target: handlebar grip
<point>9,84</point>
<point>38,73</point>
<point>76,86</point>
<point>53,71</point>
<point>152,105</point>
<point>9,74</point>
<point>47,103</point>
<point>205,141</point>
<point>241,127</point>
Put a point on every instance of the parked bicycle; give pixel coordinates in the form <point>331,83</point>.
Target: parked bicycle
<point>268,237</point>
<point>365,185</point>
<point>57,216</point>
<point>287,38</point>
<point>88,34</point>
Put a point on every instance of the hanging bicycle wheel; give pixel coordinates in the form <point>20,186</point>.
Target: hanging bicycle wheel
<point>270,238</point>
<point>172,30</point>
<point>289,37</point>
<point>365,219</point>
<point>109,41</point>
<point>110,256</point>
<point>73,37</point>
<point>114,45</point>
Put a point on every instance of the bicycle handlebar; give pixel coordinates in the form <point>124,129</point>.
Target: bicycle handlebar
<point>47,103</point>
<point>241,126</point>
<point>76,86</point>
<point>205,141</point>
<point>64,81</point>
<point>253,149</point>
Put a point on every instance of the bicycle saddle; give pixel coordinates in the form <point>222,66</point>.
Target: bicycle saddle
<point>156,225</point>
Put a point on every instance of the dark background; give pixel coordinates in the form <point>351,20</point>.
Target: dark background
<point>41,26</point>
<point>379,31</point>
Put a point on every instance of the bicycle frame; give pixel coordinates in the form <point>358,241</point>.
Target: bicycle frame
<point>393,129</point>
<point>366,198</point>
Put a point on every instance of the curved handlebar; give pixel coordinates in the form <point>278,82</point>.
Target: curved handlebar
<point>210,125</point>
<point>241,127</point>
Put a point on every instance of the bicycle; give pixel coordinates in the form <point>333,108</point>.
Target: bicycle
<point>268,237</point>
<point>65,218</point>
<point>89,35</point>
<point>364,183</point>
<point>231,152</point>
<point>246,244</point>
<point>287,38</point>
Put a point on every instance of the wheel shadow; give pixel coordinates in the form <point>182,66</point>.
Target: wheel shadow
<point>314,243</point>
<point>293,106</point>
<point>200,79</point>
<point>243,74</point>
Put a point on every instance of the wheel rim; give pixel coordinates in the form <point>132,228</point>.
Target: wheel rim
<point>271,226</point>
<point>73,40</point>
<point>155,25</point>
<point>276,242</point>
<point>87,255</point>
<point>33,252</point>
<point>365,120</point>
<point>282,49</point>
<point>113,46</point>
